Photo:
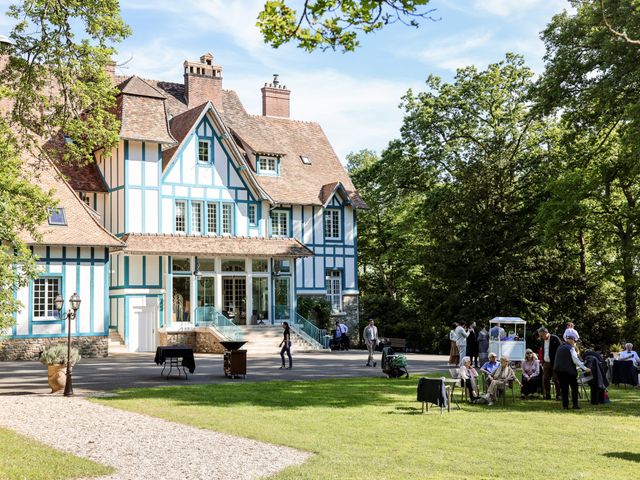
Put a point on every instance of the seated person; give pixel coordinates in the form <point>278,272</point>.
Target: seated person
<point>530,374</point>
<point>497,331</point>
<point>500,379</point>
<point>629,354</point>
<point>489,367</point>
<point>570,331</point>
<point>467,375</point>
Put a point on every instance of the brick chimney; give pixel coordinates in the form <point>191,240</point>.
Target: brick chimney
<point>275,99</point>
<point>203,82</point>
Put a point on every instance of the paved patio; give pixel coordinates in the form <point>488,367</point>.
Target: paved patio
<point>127,370</point>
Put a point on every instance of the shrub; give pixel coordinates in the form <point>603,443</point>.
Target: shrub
<point>57,355</point>
<point>316,309</point>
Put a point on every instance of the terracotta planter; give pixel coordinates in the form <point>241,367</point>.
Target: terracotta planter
<point>57,377</point>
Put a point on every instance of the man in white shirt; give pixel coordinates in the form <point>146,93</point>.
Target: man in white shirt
<point>629,354</point>
<point>461,335</point>
<point>370,336</point>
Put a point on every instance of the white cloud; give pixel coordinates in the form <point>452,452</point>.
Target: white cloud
<point>458,51</point>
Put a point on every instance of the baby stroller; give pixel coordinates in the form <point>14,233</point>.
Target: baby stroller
<point>393,364</point>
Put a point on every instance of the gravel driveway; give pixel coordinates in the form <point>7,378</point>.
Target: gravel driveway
<point>138,446</point>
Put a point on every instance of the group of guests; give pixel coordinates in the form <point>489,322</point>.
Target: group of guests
<point>557,361</point>
<point>466,341</point>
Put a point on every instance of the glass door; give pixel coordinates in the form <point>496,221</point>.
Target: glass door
<point>260,300</point>
<point>283,298</point>
<point>234,299</point>
<point>181,297</point>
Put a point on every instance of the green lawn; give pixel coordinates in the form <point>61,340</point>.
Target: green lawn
<point>373,428</point>
<point>22,458</point>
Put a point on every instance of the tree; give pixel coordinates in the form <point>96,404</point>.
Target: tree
<point>591,80</point>
<point>334,24</point>
<point>53,83</point>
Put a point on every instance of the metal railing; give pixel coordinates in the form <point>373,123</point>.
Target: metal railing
<point>210,317</point>
<point>307,329</point>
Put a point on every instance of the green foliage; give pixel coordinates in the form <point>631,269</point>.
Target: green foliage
<point>57,355</point>
<point>316,309</point>
<point>334,24</point>
<point>54,83</point>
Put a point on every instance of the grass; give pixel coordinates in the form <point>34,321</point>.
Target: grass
<point>369,427</point>
<point>22,458</point>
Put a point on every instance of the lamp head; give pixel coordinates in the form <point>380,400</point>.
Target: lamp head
<point>59,301</point>
<point>75,301</point>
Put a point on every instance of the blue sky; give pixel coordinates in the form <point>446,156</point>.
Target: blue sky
<point>354,96</point>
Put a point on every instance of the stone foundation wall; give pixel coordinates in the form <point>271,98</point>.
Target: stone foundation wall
<point>349,317</point>
<point>202,340</point>
<point>30,348</point>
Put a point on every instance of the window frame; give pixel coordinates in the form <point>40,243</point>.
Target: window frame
<point>215,217</point>
<point>175,216</point>
<point>208,143</point>
<point>335,216</point>
<point>57,211</point>
<point>48,298</point>
<point>193,219</point>
<point>268,171</point>
<point>231,209</point>
<point>333,277</point>
<point>252,211</point>
<point>279,213</point>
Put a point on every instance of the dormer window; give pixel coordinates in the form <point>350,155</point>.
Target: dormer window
<point>267,166</point>
<point>204,151</point>
<point>57,216</point>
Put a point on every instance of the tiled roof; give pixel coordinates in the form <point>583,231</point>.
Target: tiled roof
<point>180,126</point>
<point>157,244</point>
<point>142,113</point>
<point>83,228</point>
<point>289,139</point>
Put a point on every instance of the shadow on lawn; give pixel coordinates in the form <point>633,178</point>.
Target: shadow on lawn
<point>339,393</point>
<point>631,456</point>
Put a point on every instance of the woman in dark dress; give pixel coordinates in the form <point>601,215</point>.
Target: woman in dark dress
<point>286,344</point>
<point>472,344</point>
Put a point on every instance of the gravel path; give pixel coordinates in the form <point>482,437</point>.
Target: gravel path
<point>138,446</point>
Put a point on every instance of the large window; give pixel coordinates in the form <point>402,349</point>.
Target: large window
<point>334,289</point>
<point>279,224</point>
<point>196,217</point>
<point>332,224</point>
<point>212,218</point>
<point>45,291</point>
<point>204,148</point>
<point>268,166</point>
<point>227,218</point>
<point>181,217</point>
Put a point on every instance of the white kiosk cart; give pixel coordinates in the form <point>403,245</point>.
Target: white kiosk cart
<point>507,337</point>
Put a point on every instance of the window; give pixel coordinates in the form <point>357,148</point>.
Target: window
<point>305,159</point>
<point>181,265</point>
<point>86,198</point>
<point>334,290</point>
<point>212,218</point>
<point>45,291</point>
<point>196,217</point>
<point>332,224</point>
<point>227,218</point>
<point>206,264</point>
<point>267,165</point>
<point>252,214</point>
<point>181,217</point>
<point>57,217</point>
<point>281,266</point>
<point>279,224</point>
<point>259,265</point>
<point>203,151</point>
<point>232,265</point>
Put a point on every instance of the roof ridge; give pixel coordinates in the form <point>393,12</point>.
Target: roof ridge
<point>267,117</point>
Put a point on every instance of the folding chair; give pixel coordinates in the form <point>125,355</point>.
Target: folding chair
<point>455,374</point>
<point>582,381</point>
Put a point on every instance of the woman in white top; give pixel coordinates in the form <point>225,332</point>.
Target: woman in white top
<point>468,376</point>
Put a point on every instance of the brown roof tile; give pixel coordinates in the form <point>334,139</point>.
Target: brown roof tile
<point>180,126</point>
<point>153,244</point>
<point>83,228</point>
<point>136,86</point>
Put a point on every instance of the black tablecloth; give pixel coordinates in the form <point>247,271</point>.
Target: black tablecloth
<point>176,351</point>
<point>624,371</point>
<point>432,390</point>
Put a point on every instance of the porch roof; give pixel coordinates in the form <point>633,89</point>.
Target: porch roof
<point>159,244</point>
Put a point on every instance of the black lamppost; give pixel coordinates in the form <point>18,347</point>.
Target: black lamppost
<point>74,301</point>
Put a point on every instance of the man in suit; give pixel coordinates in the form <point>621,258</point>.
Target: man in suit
<point>370,336</point>
<point>550,344</point>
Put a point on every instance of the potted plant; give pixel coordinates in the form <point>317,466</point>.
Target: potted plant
<point>55,358</point>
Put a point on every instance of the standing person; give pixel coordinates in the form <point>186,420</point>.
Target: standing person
<point>344,338</point>
<point>454,354</point>
<point>286,344</point>
<point>337,337</point>
<point>565,369</point>
<point>483,345</point>
<point>370,335</point>
<point>461,340</point>
<point>472,344</point>
<point>550,344</point>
